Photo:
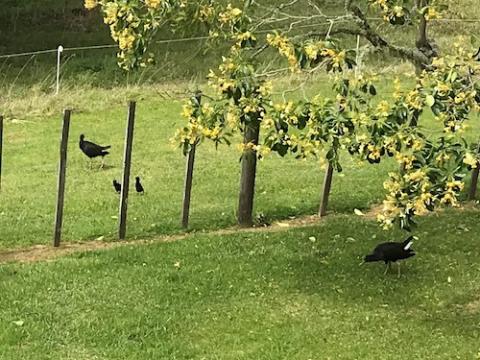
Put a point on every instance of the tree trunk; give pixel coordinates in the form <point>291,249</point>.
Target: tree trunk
<point>422,39</point>
<point>247,180</point>
<point>327,186</point>
<point>473,186</point>
<point>423,44</point>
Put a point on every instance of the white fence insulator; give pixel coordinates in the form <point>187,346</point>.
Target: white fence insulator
<point>357,67</point>
<point>59,62</point>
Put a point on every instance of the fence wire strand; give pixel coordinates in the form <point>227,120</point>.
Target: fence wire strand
<point>187,39</point>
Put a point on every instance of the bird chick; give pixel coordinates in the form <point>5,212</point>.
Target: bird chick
<point>93,150</point>
<point>262,220</point>
<point>389,252</point>
<point>138,186</point>
<point>117,186</point>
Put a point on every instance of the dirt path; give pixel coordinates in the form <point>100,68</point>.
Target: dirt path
<point>47,252</point>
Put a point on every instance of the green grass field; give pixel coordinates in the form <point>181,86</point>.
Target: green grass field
<point>285,187</point>
<point>284,292</point>
<point>293,294</point>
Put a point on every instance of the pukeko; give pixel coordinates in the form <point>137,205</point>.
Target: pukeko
<point>138,186</point>
<point>391,252</point>
<point>93,150</point>
<point>117,186</point>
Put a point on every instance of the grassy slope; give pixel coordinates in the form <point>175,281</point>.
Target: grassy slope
<point>252,296</point>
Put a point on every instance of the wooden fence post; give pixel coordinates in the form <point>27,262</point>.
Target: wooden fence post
<point>187,191</point>
<point>473,185</point>
<point>62,169</point>
<point>127,161</point>
<point>247,178</point>
<point>1,148</point>
<point>327,185</point>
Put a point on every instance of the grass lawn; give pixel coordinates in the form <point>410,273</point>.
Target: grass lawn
<point>263,295</point>
<point>285,187</point>
<point>283,293</point>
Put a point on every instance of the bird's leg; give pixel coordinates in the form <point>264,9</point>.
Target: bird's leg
<point>386,268</point>
<point>103,163</point>
<point>399,269</point>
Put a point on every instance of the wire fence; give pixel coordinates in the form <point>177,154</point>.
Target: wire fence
<point>61,50</point>
<point>187,39</point>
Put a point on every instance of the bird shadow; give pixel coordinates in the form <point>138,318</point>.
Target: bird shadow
<point>98,168</point>
<point>345,282</point>
<point>107,167</point>
<point>323,274</point>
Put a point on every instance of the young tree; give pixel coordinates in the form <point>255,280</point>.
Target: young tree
<point>431,168</point>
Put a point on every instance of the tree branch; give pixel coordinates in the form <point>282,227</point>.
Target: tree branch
<point>415,56</point>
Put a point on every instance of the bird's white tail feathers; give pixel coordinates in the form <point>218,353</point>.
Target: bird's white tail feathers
<point>410,243</point>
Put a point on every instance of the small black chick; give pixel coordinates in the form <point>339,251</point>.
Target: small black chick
<point>117,186</point>
<point>262,220</point>
<point>391,252</point>
<point>92,150</point>
<point>138,186</point>
<point>197,97</point>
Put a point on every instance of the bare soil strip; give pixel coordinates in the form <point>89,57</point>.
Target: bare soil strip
<point>48,252</point>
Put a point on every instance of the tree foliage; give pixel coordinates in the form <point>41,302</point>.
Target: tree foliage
<point>431,166</point>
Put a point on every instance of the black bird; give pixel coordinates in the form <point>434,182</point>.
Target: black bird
<point>92,150</point>
<point>117,186</point>
<point>197,97</point>
<point>391,252</point>
<point>262,220</point>
<point>138,186</point>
